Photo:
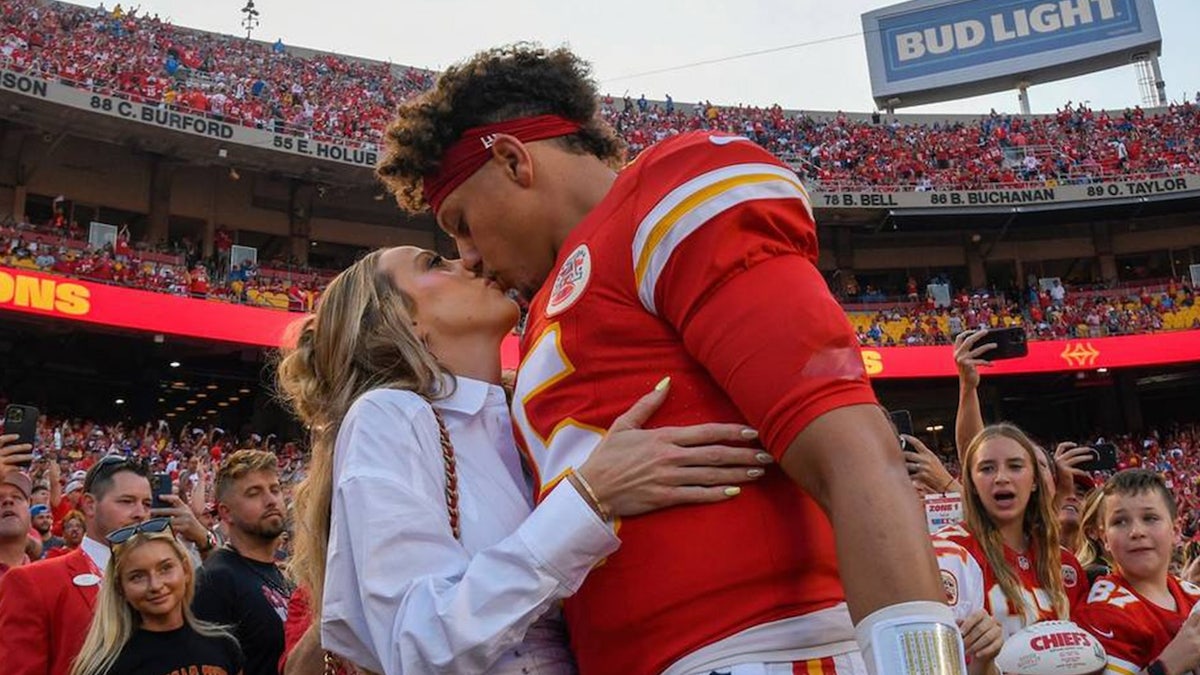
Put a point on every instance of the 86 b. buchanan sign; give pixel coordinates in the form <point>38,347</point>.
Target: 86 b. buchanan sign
<point>160,116</point>
<point>1182,185</point>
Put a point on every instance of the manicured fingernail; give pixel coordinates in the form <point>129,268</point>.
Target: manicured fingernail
<point>749,434</point>
<point>755,473</point>
<point>733,491</point>
<point>764,458</point>
<point>663,383</point>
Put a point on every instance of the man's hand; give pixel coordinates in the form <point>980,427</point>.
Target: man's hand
<point>183,521</point>
<point>14,457</point>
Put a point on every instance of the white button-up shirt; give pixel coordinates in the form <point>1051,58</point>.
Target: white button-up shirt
<point>401,594</point>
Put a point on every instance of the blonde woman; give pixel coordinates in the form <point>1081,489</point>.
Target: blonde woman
<point>143,624</point>
<point>1005,557</point>
<point>1090,552</point>
<point>416,528</point>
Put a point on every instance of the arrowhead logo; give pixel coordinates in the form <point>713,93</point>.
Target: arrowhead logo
<point>1080,354</point>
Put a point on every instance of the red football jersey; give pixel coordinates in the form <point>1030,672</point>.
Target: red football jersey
<point>1133,630</point>
<point>971,584</point>
<point>698,264</point>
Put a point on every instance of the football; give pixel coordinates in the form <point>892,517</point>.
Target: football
<point>1051,648</point>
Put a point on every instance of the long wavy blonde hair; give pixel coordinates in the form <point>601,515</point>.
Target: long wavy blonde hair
<point>1040,525</point>
<point>116,620</point>
<point>1091,550</point>
<point>360,339</point>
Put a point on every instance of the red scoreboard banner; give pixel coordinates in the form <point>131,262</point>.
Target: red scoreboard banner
<point>51,296</point>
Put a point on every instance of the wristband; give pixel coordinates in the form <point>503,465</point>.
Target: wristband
<point>591,496</point>
<point>910,638</point>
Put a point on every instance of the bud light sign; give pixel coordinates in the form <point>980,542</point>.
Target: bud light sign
<point>973,40</point>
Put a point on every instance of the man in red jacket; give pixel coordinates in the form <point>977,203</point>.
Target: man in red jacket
<point>46,608</point>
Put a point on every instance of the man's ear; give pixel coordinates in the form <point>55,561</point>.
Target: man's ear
<point>514,158</point>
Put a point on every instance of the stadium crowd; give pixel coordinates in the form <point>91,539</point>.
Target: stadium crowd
<point>330,97</point>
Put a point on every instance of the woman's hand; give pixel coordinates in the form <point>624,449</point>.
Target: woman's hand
<point>925,468</point>
<point>982,639</point>
<point>636,470</point>
<point>967,357</point>
<point>14,457</point>
<point>1067,457</point>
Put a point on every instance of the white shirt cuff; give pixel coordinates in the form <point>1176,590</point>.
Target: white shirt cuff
<point>567,536</point>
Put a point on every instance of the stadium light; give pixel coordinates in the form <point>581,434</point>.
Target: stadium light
<point>211,386</point>
<point>120,401</point>
<point>190,401</point>
<point>250,20</point>
<point>222,404</point>
<point>234,399</point>
<point>243,390</point>
<point>1102,370</point>
<point>174,364</point>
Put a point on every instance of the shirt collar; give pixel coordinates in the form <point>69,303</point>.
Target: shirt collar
<point>470,396</point>
<point>99,553</point>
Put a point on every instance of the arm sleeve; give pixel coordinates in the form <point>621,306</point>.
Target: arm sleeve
<point>962,578</point>
<point>732,268</point>
<point>401,593</point>
<point>24,626</point>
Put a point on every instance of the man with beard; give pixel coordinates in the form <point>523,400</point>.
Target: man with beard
<point>239,585</point>
<point>42,520</point>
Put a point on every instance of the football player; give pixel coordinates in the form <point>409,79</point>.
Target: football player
<point>698,261</point>
<point>1141,614</point>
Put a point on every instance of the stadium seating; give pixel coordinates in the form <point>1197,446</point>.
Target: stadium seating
<point>330,97</point>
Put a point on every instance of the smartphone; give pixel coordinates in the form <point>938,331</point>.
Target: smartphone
<point>160,484</point>
<point>1010,343</point>
<point>1104,458</point>
<point>21,420</point>
<point>902,420</point>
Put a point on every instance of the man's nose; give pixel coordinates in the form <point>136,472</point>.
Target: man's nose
<point>469,256</point>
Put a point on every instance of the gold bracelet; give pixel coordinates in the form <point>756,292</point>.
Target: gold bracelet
<point>591,496</point>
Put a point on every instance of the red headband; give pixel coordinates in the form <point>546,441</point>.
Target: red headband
<point>470,152</point>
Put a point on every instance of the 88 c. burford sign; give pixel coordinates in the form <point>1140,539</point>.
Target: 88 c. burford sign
<point>166,118</point>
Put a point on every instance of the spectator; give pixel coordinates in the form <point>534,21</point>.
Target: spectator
<point>1141,613</point>
<point>15,487</point>
<point>74,527</point>
<point>144,625</point>
<point>42,520</point>
<point>46,608</point>
<point>239,585</point>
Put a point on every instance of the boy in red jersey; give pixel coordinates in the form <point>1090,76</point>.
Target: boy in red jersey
<point>696,261</point>
<point>1141,614</point>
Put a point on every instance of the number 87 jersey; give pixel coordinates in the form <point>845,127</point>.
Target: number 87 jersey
<point>698,264</point>
<point>1133,630</point>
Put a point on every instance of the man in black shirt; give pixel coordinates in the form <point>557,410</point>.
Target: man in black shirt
<point>239,585</point>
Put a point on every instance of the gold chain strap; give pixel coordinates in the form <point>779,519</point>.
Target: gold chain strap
<point>334,664</point>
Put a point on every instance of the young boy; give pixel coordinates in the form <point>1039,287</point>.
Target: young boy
<point>1140,613</point>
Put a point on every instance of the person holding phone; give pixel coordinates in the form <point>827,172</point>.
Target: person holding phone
<point>144,624</point>
<point>1005,556</point>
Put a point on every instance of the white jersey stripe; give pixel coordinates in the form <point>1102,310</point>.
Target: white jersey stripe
<point>692,220</point>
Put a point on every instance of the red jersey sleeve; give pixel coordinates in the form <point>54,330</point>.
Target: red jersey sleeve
<point>728,258</point>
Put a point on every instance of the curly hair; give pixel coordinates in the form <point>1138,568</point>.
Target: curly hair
<point>495,85</point>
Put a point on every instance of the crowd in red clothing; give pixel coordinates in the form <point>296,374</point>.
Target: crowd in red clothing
<point>331,97</point>
<point>239,81</point>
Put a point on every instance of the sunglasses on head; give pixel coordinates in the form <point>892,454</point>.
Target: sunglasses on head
<point>152,526</point>
<point>108,465</point>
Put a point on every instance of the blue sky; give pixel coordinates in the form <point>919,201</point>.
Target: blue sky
<point>624,37</point>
